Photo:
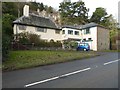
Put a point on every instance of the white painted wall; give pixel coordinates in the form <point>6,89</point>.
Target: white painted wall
<point>98,35</point>
<point>50,34</point>
<point>93,35</point>
<point>66,35</point>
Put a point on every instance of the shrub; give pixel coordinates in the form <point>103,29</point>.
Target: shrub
<point>34,38</point>
<point>5,46</point>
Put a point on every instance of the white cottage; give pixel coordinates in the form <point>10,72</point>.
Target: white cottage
<point>42,26</point>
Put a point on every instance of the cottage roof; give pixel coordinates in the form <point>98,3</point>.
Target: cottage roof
<point>37,21</point>
<point>79,27</point>
<point>92,24</point>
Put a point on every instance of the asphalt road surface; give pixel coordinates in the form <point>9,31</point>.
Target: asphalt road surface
<point>97,72</point>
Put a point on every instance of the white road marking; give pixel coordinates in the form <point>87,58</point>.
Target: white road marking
<point>50,79</point>
<point>64,75</point>
<point>39,82</point>
<point>111,62</point>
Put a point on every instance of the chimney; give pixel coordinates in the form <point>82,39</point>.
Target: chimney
<point>26,11</point>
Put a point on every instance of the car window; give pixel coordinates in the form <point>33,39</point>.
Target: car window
<point>86,44</point>
<point>81,44</point>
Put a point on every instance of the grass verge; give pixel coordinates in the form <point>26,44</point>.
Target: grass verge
<point>111,51</point>
<point>29,59</point>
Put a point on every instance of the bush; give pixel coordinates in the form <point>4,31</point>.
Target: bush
<point>34,40</point>
<point>23,38</point>
<point>5,46</point>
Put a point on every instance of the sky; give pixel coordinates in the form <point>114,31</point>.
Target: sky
<point>111,6</point>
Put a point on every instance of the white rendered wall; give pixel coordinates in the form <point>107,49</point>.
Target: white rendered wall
<point>50,34</point>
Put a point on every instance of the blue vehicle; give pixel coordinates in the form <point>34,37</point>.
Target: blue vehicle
<point>83,47</point>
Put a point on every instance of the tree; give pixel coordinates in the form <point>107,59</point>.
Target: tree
<point>5,46</point>
<point>73,13</point>
<point>33,5</point>
<point>7,20</point>
<point>41,6</point>
<point>99,15</point>
<point>9,8</point>
<point>49,9</point>
<point>109,22</point>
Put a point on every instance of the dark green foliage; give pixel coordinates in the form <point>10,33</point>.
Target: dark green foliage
<point>5,46</point>
<point>98,15</point>
<point>34,39</point>
<point>9,8</point>
<point>73,13</point>
<point>10,12</point>
<point>49,9</point>
<point>7,20</point>
<point>23,38</point>
<point>41,6</point>
<point>70,44</point>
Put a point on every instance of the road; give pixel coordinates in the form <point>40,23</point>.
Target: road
<point>97,72</point>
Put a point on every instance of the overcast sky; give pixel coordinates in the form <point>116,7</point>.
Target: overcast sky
<point>110,5</point>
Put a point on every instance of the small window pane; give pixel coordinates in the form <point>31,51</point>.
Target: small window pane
<point>63,32</point>
<point>84,40</point>
<point>57,31</point>
<point>76,32</point>
<point>89,39</point>
<point>41,29</point>
<point>70,32</point>
<point>22,27</point>
<point>87,31</point>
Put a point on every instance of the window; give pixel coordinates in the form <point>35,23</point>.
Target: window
<point>76,32</point>
<point>57,31</point>
<point>87,31</point>
<point>84,40</point>
<point>41,29</point>
<point>63,32</point>
<point>70,32</point>
<point>22,27</point>
<point>89,39</point>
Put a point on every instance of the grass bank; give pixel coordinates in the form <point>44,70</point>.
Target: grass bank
<point>28,59</point>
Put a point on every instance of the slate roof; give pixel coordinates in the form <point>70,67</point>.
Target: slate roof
<point>37,21</point>
<point>92,24</point>
<point>79,27</point>
<point>73,27</point>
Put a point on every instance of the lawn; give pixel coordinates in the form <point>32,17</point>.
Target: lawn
<point>29,59</point>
